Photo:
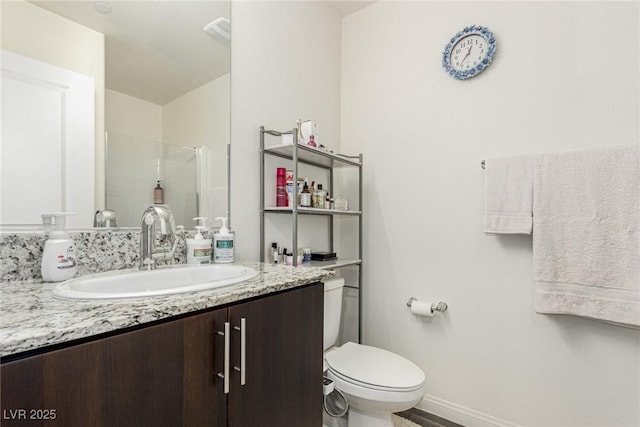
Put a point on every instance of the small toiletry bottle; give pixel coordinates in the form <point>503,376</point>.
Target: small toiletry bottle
<point>320,197</point>
<point>281,187</point>
<point>59,254</point>
<point>299,191</point>
<point>158,194</point>
<point>305,196</point>
<point>223,250</point>
<point>199,248</point>
<point>273,250</point>
<point>290,192</point>
<point>312,190</point>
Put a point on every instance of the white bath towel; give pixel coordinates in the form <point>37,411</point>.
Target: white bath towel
<point>586,251</point>
<point>508,195</point>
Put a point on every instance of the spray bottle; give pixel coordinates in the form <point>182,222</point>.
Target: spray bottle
<point>199,248</point>
<point>223,250</point>
<point>59,255</point>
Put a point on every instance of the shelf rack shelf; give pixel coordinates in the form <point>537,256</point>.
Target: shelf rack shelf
<point>310,211</point>
<point>298,153</point>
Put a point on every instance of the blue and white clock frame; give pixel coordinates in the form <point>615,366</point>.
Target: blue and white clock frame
<point>455,65</point>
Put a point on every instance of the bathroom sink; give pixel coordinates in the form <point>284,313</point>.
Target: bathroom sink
<point>162,281</point>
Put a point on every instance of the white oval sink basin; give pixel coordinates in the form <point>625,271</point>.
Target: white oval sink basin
<point>163,281</point>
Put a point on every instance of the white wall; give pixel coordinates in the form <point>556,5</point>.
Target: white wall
<point>131,116</point>
<point>285,66</point>
<point>33,32</point>
<point>565,77</point>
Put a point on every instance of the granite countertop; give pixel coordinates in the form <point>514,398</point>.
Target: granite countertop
<point>31,317</point>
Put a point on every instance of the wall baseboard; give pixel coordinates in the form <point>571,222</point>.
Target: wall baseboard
<point>460,414</point>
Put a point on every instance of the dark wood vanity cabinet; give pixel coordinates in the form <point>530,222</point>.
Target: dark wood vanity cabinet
<point>169,374</point>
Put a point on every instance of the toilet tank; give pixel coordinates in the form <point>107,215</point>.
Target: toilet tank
<point>332,310</point>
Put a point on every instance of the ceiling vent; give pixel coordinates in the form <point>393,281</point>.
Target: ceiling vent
<point>220,30</point>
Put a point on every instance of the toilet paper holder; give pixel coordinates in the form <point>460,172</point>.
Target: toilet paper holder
<point>441,306</point>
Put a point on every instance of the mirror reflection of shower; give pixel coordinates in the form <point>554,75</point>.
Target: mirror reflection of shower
<point>135,165</point>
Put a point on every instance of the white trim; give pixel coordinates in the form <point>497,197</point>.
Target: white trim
<point>459,414</point>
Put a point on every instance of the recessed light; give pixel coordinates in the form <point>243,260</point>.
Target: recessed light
<point>102,6</point>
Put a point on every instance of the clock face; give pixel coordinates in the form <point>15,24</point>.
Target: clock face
<point>469,52</point>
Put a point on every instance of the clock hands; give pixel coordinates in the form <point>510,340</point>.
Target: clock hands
<point>468,53</point>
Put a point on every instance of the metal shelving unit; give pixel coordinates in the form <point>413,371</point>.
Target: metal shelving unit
<point>321,159</point>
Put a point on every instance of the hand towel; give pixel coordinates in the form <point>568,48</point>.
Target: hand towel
<point>508,195</point>
<point>586,213</point>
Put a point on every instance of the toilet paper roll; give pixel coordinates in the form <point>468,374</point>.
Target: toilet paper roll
<point>422,308</point>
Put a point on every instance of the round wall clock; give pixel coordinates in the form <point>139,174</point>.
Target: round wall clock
<point>469,52</point>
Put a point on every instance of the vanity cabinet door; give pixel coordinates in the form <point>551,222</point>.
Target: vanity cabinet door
<point>164,375</point>
<point>283,360</point>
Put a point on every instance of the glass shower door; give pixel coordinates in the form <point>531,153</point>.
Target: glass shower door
<point>134,165</point>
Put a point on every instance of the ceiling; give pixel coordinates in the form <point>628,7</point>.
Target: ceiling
<point>347,7</point>
<point>157,50</point>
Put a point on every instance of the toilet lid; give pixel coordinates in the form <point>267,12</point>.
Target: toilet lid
<point>374,366</point>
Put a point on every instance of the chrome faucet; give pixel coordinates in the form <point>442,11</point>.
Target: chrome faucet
<point>105,218</point>
<point>158,239</point>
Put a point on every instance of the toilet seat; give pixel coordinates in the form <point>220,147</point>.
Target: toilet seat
<point>374,368</point>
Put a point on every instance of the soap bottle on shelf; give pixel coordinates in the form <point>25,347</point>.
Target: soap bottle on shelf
<point>199,248</point>
<point>158,194</point>
<point>223,250</point>
<point>59,254</point>
<point>305,196</point>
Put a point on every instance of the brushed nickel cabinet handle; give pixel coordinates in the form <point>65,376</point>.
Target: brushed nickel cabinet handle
<point>243,350</point>
<point>225,373</point>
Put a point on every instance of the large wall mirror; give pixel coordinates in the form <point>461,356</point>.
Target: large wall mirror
<point>166,97</point>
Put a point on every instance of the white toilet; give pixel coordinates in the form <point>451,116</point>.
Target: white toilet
<point>375,382</point>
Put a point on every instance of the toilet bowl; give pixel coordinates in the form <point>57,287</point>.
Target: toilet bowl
<point>375,382</point>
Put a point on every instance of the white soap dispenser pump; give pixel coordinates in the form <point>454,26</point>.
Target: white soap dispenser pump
<point>59,254</point>
<point>199,248</point>
<point>223,250</point>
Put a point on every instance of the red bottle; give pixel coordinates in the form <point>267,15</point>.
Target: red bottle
<point>281,187</point>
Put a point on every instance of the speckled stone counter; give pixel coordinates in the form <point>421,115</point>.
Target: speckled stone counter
<point>31,317</point>
<point>96,250</point>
